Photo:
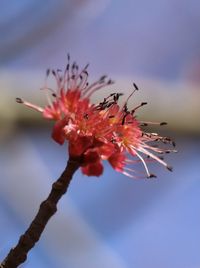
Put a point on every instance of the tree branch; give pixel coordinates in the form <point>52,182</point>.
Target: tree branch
<point>47,209</point>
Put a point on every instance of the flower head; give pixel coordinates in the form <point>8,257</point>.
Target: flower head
<point>104,131</point>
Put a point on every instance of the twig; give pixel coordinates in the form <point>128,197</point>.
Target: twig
<point>48,208</point>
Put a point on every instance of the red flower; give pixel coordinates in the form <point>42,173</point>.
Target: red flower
<point>98,132</point>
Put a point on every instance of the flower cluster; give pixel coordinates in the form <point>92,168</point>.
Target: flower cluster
<point>104,131</point>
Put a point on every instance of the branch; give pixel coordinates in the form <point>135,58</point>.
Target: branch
<point>47,209</point>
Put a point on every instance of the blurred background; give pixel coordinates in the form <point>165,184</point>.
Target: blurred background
<point>112,221</point>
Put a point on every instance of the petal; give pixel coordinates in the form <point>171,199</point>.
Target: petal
<point>80,145</point>
<point>57,132</point>
<point>95,169</point>
<point>106,150</point>
<point>117,161</point>
<point>90,157</point>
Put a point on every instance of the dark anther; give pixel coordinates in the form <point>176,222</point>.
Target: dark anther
<point>116,96</point>
<point>68,56</point>
<point>19,100</point>
<point>110,82</point>
<point>135,86</point>
<point>163,123</point>
<point>67,67</point>
<point>86,66</point>
<point>53,72</point>
<point>173,143</point>
<point>103,77</point>
<point>169,168</point>
<point>85,116</point>
<point>85,72</point>
<point>47,72</point>
<point>152,176</point>
<point>143,103</point>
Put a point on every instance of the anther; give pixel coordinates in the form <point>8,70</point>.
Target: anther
<point>169,168</point>
<point>143,103</point>
<point>86,66</point>
<point>152,176</point>
<point>135,86</point>
<point>102,78</point>
<point>19,100</point>
<point>68,56</point>
<point>85,116</point>
<point>110,82</point>
<point>47,72</point>
<point>163,123</point>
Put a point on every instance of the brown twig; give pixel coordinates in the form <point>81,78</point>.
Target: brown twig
<point>18,254</point>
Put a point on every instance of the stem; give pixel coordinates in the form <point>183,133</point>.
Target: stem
<point>18,254</point>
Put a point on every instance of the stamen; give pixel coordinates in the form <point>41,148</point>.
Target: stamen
<point>30,105</point>
<point>145,166</point>
<point>141,149</point>
<point>137,107</point>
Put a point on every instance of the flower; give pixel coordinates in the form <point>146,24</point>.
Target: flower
<point>99,132</point>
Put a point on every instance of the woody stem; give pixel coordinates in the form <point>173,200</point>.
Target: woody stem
<point>47,209</point>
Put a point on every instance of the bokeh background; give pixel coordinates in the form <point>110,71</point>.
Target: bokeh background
<point>112,221</point>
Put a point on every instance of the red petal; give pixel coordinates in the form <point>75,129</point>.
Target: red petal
<point>95,169</point>
<point>58,133</point>
<point>80,145</point>
<point>117,161</point>
<point>90,157</point>
<point>106,150</point>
